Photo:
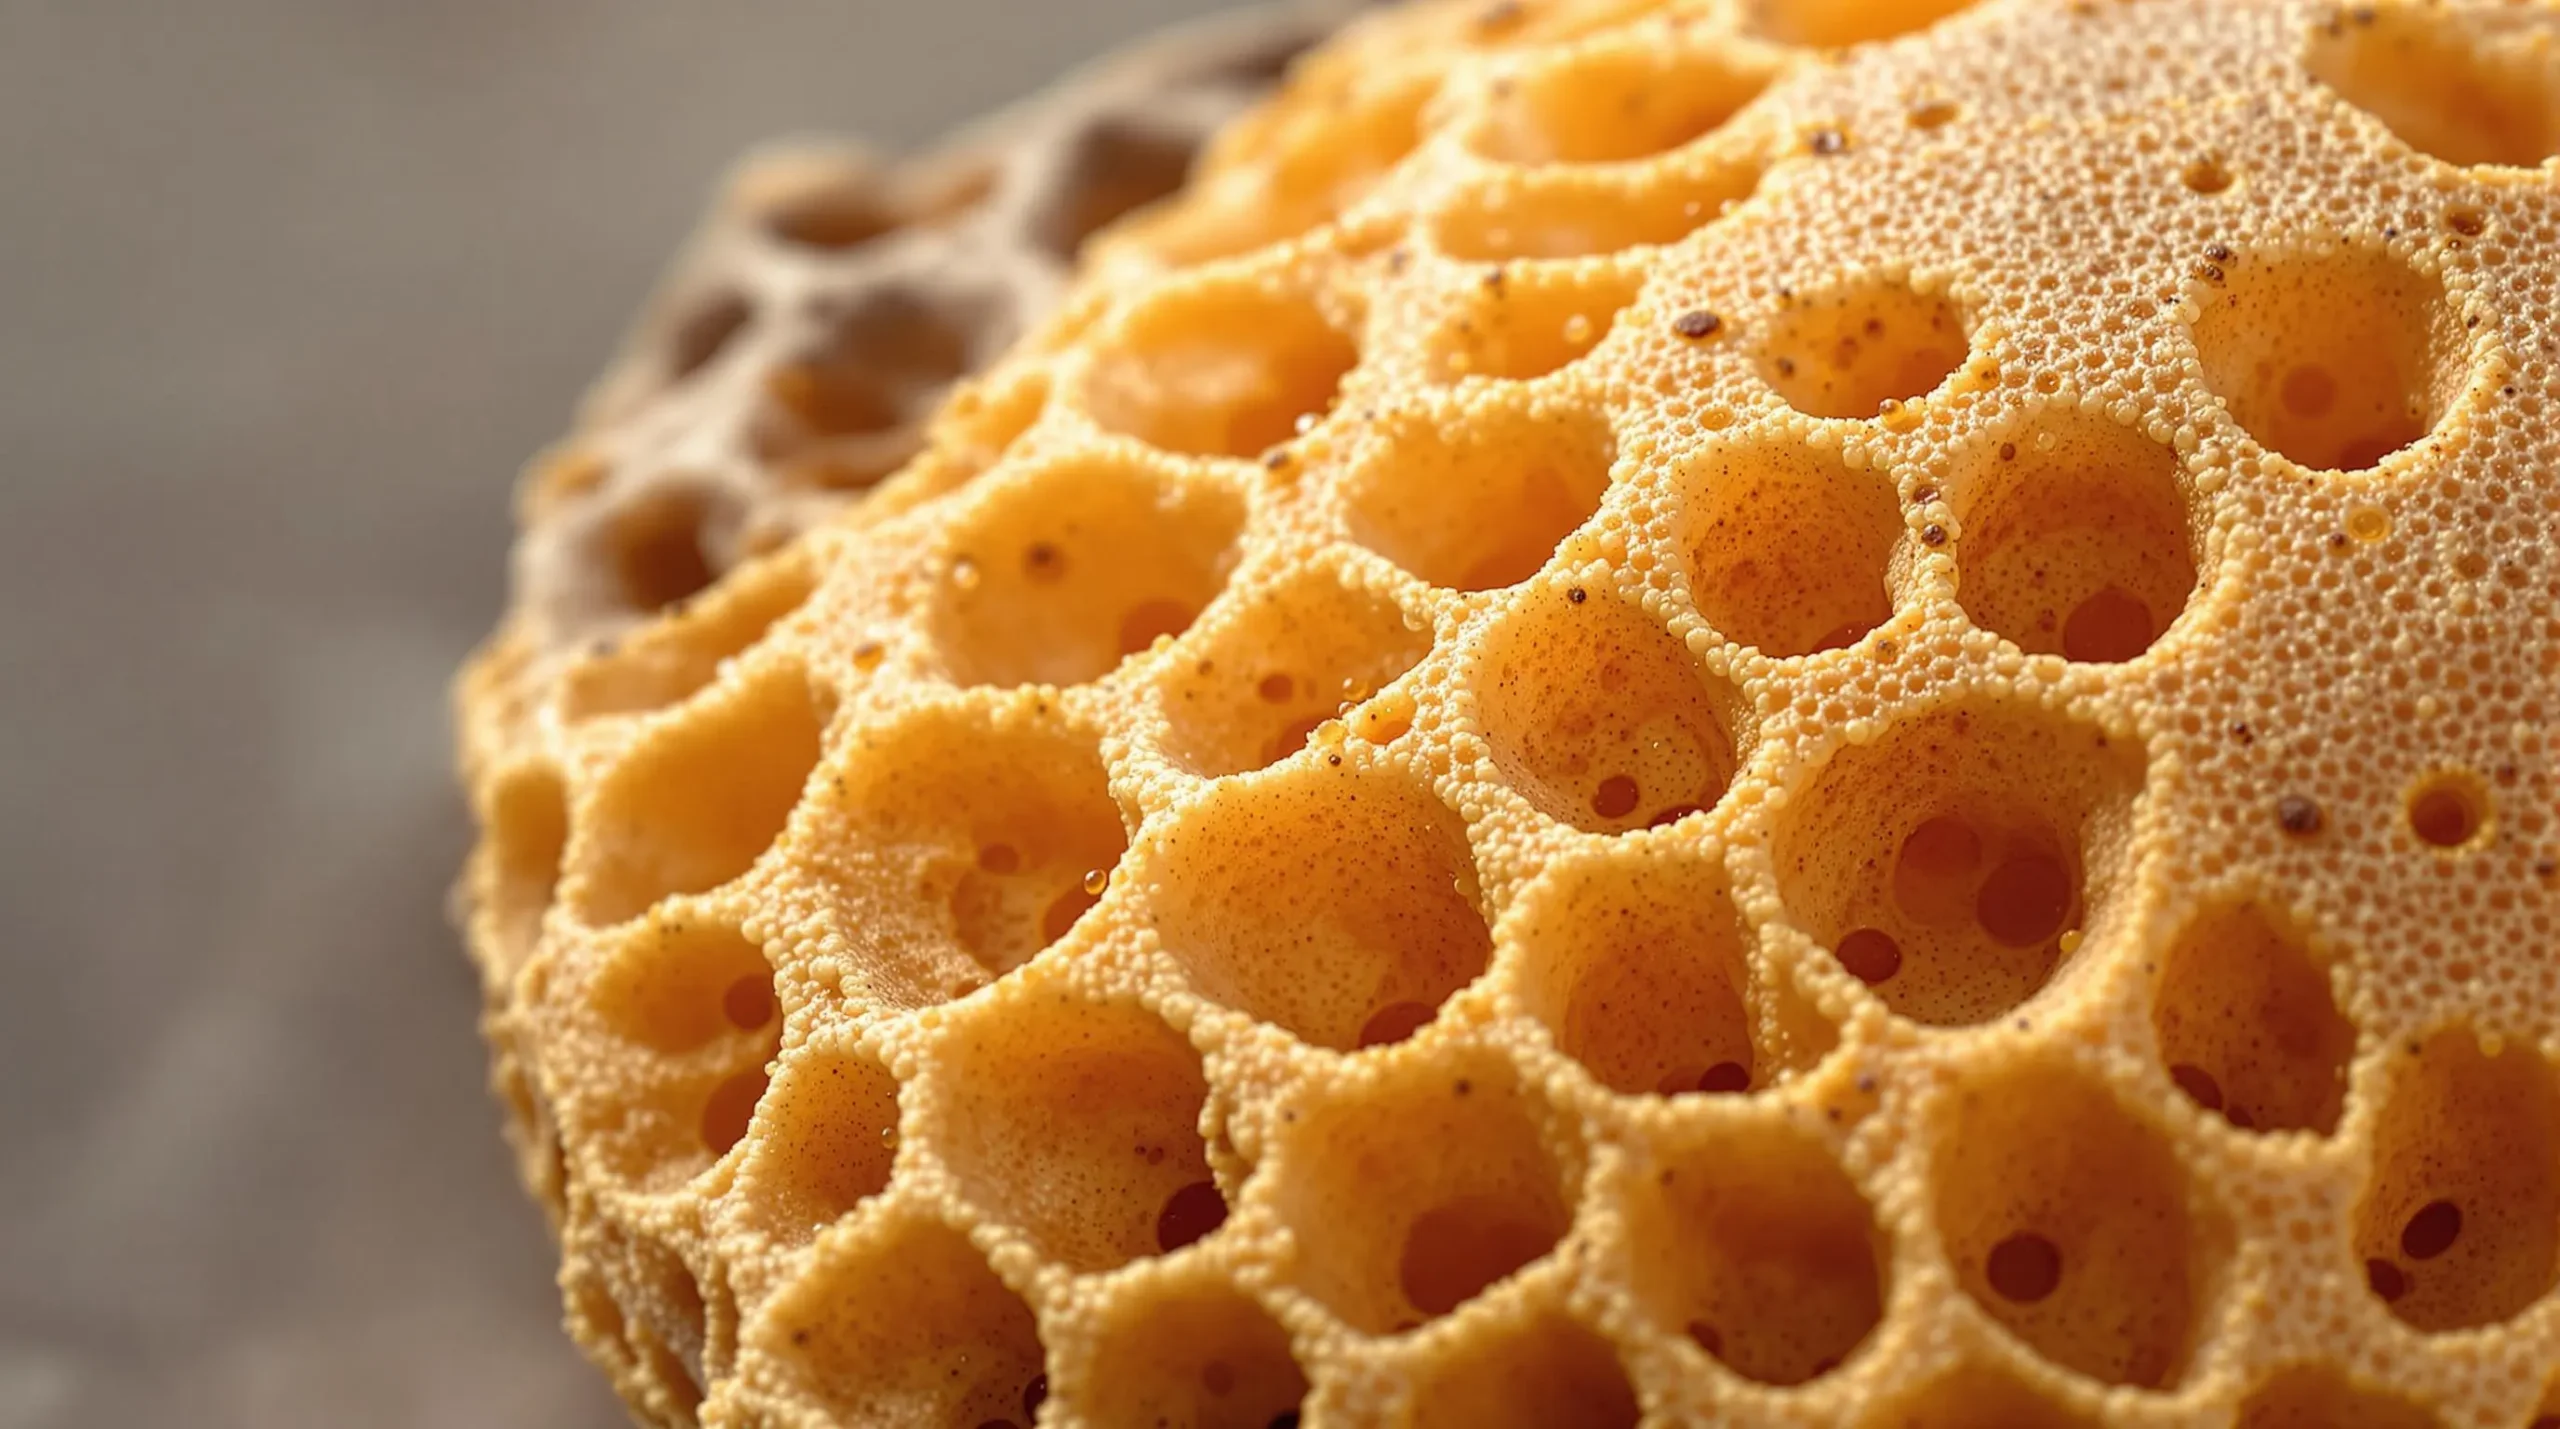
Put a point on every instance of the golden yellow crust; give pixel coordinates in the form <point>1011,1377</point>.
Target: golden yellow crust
<point>1641,721</point>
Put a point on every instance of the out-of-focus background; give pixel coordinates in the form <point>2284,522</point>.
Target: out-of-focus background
<point>288,288</point>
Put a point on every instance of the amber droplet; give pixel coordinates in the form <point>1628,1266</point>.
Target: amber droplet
<point>1189,1214</point>
<point>2025,1268</point>
<point>1096,880</point>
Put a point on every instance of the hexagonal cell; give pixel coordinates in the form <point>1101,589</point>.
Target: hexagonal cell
<point>825,1136</point>
<point>2076,539</point>
<point>1639,968</point>
<point>1575,215</point>
<point>878,365</point>
<point>1972,1398</point>
<point>2247,1024</point>
<point>1550,1372</point>
<point>1850,350</point>
<point>698,799</point>
<point>999,821</point>
<point>1944,862</point>
<point>656,549</point>
<point>1219,368</point>
<point>2334,359</point>
<point>1338,904</point>
<point>2071,1222</point>
<point>667,661</point>
<point>527,825</point>
<point>1523,323</point>
<point>1625,98</point>
<point>1058,579</point>
<point>2459,1225</point>
<point>1832,24</point>
<point>1112,167</point>
<point>1280,666</point>
<point>901,1322</point>
<point>1756,1246</point>
<point>2308,1397</point>
<point>1476,504</point>
<point>1786,549</point>
<point>2469,86</point>
<point>1193,1352</point>
<point>677,985</point>
<point>1389,1239</point>
<point>1077,1123</point>
<point>1598,716</point>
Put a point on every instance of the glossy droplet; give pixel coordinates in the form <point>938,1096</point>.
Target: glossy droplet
<point>1096,880</point>
<point>1189,1214</point>
<point>964,573</point>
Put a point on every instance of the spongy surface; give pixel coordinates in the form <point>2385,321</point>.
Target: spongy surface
<point>1658,716</point>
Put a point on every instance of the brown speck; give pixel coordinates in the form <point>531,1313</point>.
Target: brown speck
<point>2217,252</point>
<point>1465,1086</point>
<point>2240,731</point>
<point>1696,323</point>
<point>1495,280</point>
<point>1275,458</point>
<point>1924,496</point>
<point>1828,142</point>
<point>2008,451</point>
<point>2299,815</point>
<point>2209,272</point>
<point>1933,535</point>
<point>1577,595</point>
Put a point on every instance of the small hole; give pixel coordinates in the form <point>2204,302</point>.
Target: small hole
<point>749,1001</point>
<point>2024,1269</point>
<point>899,1323</point>
<point>2247,1024</point>
<point>1135,558</point>
<point>1314,899</point>
<point>1640,973</point>
<point>726,1112</point>
<point>879,367</point>
<point>2109,626</point>
<point>1786,548</point>
<point>1597,715</point>
<point>1190,1214</point>
<point>1870,956</point>
<point>2465,1184</point>
<point>1761,1247</point>
<point>658,552</point>
<point>2039,803</point>
<point>1078,1123</point>
<point>2072,1223</point>
<point>1548,1373</point>
<point>2448,811</point>
<point>705,332</point>
<point>2334,361</point>
<point>1849,352</point>
<point>1387,1238</point>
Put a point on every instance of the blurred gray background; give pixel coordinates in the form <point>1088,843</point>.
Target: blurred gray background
<point>288,288</point>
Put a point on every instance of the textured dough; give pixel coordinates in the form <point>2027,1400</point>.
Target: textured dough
<point>1656,715</point>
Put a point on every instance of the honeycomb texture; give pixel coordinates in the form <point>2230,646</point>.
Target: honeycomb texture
<point>792,354</point>
<point>1827,713</point>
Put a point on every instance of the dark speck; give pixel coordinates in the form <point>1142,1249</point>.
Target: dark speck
<point>2299,815</point>
<point>1828,142</point>
<point>1577,595</point>
<point>1696,323</point>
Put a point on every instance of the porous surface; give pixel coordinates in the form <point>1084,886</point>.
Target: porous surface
<point>828,302</point>
<point>1659,716</point>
